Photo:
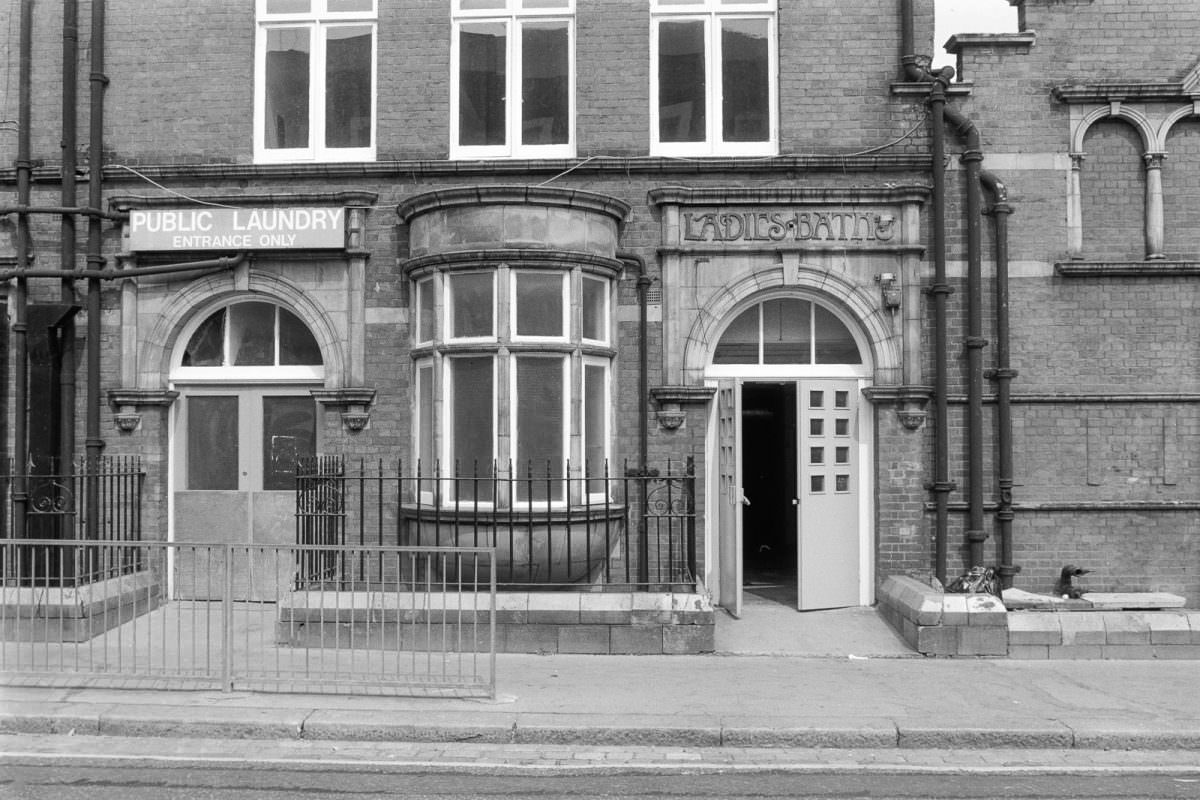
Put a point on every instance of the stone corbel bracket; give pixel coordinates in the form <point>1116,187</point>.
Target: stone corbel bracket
<point>128,402</point>
<point>672,399</point>
<point>354,402</point>
<point>910,402</point>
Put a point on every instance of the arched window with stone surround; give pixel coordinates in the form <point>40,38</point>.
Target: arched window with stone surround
<point>787,330</point>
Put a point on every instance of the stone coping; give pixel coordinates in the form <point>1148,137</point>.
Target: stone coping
<point>1020,600</point>
<point>659,623</point>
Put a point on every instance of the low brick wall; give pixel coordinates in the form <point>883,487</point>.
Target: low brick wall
<point>526,622</point>
<point>939,624</point>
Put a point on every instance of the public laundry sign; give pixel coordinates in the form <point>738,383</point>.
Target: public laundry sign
<point>236,228</point>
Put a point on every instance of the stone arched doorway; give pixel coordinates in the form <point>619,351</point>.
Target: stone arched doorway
<point>792,461</point>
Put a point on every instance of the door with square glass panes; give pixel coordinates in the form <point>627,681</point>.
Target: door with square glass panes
<point>827,493</point>
<point>244,416</point>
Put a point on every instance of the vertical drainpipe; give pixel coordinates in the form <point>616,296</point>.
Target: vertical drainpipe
<point>972,157</point>
<point>66,333</point>
<point>643,286</point>
<point>1002,376</point>
<point>941,485</point>
<point>95,260</point>
<point>20,495</point>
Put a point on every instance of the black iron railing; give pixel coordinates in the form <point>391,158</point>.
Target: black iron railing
<point>551,526</point>
<point>55,504</point>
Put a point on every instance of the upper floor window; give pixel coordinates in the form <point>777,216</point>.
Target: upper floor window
<point>513,79</point>
<point>315,81</point>
<point>713,77</point>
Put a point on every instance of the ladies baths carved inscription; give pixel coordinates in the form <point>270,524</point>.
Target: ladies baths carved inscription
<point>789,226</point>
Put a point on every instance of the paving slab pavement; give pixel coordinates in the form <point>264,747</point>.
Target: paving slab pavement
<point>686,701</point>
<point>95,752</point>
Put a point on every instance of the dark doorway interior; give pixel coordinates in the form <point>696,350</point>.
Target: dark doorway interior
<point>769,483</point>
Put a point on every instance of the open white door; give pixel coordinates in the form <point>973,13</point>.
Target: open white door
<point>828,452</point>
<point>729,466</point>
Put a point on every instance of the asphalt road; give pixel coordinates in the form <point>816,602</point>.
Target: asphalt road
<point>197,782</point>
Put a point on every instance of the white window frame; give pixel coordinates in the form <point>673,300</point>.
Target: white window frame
<point>449,390</point>
<point>513,406</point>
<point>317,20</point>
<point>419,312</point>
<point>760,370</point>
<point>513,16</point>
<point>712,13</point>
<point>448,307</point>
<point>295,373</point>
<point>605,312</point>
<point>419,432</point>
<point>564,292</point>
<point>607,415</point>
<point>571,348</point>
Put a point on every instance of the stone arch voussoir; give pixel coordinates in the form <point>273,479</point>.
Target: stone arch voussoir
<point>157,348</point>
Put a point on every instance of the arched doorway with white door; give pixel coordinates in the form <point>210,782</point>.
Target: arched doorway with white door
<point>244,368</point>
<point>791,476</point>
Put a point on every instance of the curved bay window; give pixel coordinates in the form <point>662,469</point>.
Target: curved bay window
<point>513,375</point>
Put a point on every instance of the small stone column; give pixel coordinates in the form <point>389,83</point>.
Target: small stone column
<point>1154,206</point>
<point>1075,209</point>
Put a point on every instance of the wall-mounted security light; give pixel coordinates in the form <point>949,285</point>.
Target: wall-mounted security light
<point>889,290</point>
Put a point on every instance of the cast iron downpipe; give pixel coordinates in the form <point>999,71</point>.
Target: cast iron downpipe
<point>974,342</point>
<point>972,157</point>
<point>67,244</point>
<point>20,492</point>
<point>1002,376</point>
<point>93,444</point>
<point>643,286</point>
<point>941,486</point>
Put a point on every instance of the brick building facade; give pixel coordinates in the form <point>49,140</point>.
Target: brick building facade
<point>578,233</point>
